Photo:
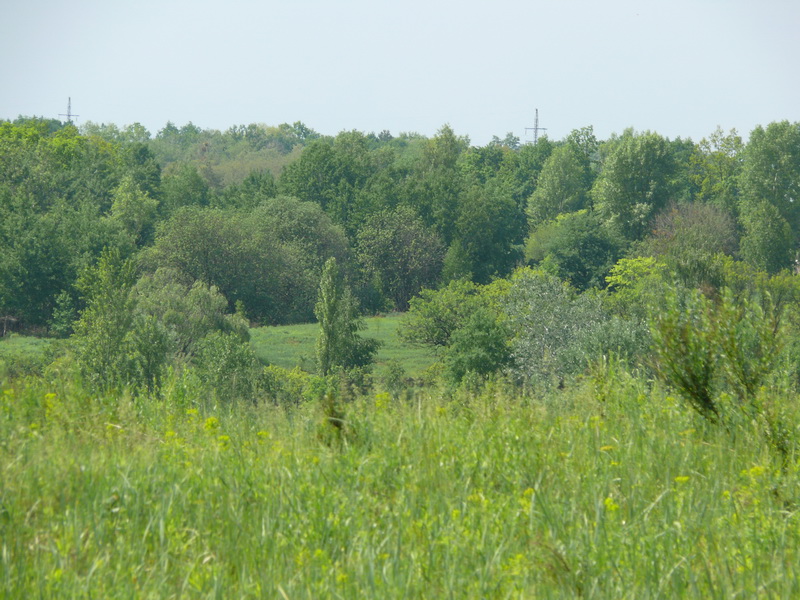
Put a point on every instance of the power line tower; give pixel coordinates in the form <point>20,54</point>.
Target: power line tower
<point>68,114</point>
<point>536,129</point>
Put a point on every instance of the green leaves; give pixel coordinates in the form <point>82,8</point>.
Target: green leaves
<point>338,344</point>
<point>703,348</point>
<point>400,253</point>
<point>684,339</point>
<point>102,341</point>
<point>130,332</point>
<point>557,331</point>
<point>635,182</point>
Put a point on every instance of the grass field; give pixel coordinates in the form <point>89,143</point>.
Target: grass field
<point>21,354</point>
<point>609,488</point>
<point>294,345</point>
<point>445,496</point>
<point>285,346</point>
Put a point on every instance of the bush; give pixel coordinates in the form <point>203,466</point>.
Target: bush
<point>558,331</point>
<point>704,349</point>
<point>229,367</point>
<point>684,340</point>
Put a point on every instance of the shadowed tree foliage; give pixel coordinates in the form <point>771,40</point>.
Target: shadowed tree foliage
<point>400,253</point>
<point>689,239</point>
<point>576,248</point>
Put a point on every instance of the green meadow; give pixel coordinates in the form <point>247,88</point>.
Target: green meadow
<point>611,489</point>
<point>21,354</point>
<point>290,346</point>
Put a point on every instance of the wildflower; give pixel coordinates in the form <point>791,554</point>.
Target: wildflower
<point>382,400</point>
<point>211,424</point>
<point>610,505</point>
<point>606,448</point>
<point>682,479</point>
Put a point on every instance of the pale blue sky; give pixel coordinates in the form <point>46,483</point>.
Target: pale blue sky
<point>677,67</point>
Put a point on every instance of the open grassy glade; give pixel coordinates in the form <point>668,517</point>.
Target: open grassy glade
<point>609,489</point>
<point>289,346</point>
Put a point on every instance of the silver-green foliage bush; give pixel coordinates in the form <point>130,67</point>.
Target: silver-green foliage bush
<point>558,331</point>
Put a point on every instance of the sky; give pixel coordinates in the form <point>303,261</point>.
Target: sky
<point>677,67</point>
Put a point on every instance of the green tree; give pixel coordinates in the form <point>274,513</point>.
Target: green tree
<point>489,229</point>
<point>636,182</point>
<point>400,253</point>
<point>187,312</point>
<point>557,332</point>
<point>131,331</point>
<point>435,315</point>
<point>576,248</point>
<point>684,338</point>
<point>481,346</point>
<point>771,170</point>
<point>483,163</point>
<point>705,347</point>
<point>331,172</point>
<point>339,345</point>
<point>690,240</point>
<point>103,344</point>
<point>716,168</point>
<point>768,243</point>
<point>436,183</point>
<point>305,236</point>
<point>270,258</point>
<point>562,187</point>
<point>520,170</point>
<point>635,285</point>
<point>182,185</point>
<point>134,212</point>
<point>257,187</point>
<point>54,190</point>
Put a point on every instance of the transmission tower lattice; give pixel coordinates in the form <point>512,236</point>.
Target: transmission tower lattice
<point>68,114</point>
<point>536,129</point>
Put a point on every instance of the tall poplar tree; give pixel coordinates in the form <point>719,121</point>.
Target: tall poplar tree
<point>339,345</point>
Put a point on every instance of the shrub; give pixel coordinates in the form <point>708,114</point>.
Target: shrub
<point>229,367</point>
<point>684,340</point>
<point>558,331</point>
<point>704,349</point>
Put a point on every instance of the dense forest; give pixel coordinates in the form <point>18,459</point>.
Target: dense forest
<point>613,328</point>
<point>251,215</point>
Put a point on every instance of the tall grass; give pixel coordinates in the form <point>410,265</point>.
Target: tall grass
<point>445,496</point>
<point>20,355</point>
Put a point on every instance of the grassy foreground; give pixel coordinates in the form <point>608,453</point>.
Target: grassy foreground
<point>441,496</point>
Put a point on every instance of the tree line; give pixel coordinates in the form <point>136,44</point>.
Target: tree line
<point>400,214</point>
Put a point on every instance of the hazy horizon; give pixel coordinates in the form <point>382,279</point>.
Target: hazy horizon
<point>680,68</point>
